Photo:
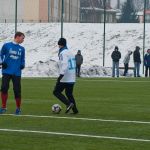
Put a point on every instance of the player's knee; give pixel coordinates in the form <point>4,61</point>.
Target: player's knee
<point>4,89</point>
<point>55,93</point>
<point>69,95</point>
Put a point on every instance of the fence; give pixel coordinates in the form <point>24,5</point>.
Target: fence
<point>104,17</point>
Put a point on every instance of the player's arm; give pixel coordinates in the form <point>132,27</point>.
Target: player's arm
<point>3,57</point>
<point>63,65</point>
<point>2,53</point>
<point>22,59</point>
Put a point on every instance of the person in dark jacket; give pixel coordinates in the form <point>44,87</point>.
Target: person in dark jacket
<point>147,63</point>
<point>116,55</point>
<point>13,61</point>
<point>79,62</point>
<point>137,61</point>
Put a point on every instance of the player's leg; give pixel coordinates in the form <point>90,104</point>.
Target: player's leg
<point>146,71</point>
<point>79,68</point>
<point>58,93</point>
<point>17,92</point>
<point>113,69</point>
<point>76,70</point>
<point>135,68</point>
<point>149,70</point>
<point>117,69</point>
<point>4,91</point>
<point>69,94</point>
<point>138,69</point>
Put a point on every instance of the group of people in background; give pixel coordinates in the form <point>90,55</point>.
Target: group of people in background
<point>116,56</point>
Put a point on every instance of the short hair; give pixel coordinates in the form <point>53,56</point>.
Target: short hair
<point>62,42</point>
<point>19,34</point>
<point>148,50</point>
<point>116,48</point>
<point>137,48</point>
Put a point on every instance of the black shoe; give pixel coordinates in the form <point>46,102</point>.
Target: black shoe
<point>69,107</point>
<point>75,112</point>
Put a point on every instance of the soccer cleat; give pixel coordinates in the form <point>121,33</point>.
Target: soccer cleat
<point>3,110</point>
<point>18,111</point>
<point>75,112</point>
<point>69,107</point>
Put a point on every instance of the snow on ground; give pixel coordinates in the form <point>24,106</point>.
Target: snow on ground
<point>42,51</point>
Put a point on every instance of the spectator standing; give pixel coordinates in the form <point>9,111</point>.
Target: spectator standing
<point>116,55</point>
<point>126,62</point>
<point>147,63</point>
<point>137,61</point>
<point>79,62</point>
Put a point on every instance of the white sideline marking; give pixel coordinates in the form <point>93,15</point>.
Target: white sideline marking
<point>76,135</point>
<point>76,118</point>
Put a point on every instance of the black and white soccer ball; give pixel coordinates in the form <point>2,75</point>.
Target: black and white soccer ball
<point>56,108</point>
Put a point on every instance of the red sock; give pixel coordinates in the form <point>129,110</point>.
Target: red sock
<point>4,99</point>
<point>18,102</point>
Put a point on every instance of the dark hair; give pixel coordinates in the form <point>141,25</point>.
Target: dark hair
<point>62,42</point>
<point>19,34</point>
<point>148,50</point>
<point>137,48</point>
<point>116,47</point>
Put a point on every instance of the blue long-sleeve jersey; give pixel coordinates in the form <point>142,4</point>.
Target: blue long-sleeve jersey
<point>14,56</point>
<point>147,60</point>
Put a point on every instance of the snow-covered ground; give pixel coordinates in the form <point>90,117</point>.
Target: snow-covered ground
<point>42,51</point>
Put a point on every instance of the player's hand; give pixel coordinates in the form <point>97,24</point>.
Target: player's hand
<point>22,67</point>
<point>60,77</point>
<point>4,65</point>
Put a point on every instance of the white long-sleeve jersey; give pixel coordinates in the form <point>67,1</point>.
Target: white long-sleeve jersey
<point>67,66</point>
<point>127,57</point>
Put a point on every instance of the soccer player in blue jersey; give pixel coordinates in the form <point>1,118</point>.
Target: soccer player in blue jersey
<point>12,61</point>
<point>66,79</point>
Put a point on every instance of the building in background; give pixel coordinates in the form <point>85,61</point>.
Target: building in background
<point>147,13</point>
<point>92,11</point>
<point>39,10</point>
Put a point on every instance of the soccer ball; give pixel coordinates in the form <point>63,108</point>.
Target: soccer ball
<point>56,108</point>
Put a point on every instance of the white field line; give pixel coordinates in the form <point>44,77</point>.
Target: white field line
<point>85,119</point>
<point>75,135</point>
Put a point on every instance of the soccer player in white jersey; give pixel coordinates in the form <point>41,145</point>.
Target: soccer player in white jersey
<point>66,79</point>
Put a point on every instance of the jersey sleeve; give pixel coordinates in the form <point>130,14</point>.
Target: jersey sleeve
<point>2,53</point>
<point>23,58</point>
<point>63,63</point>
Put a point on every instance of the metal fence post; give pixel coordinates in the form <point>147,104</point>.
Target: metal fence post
<point>104,2</point>
<point>16,16</point>
<point>144,32</point>
<point>62,17</point>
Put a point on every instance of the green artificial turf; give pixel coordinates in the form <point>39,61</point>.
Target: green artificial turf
<point>97,98</point>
